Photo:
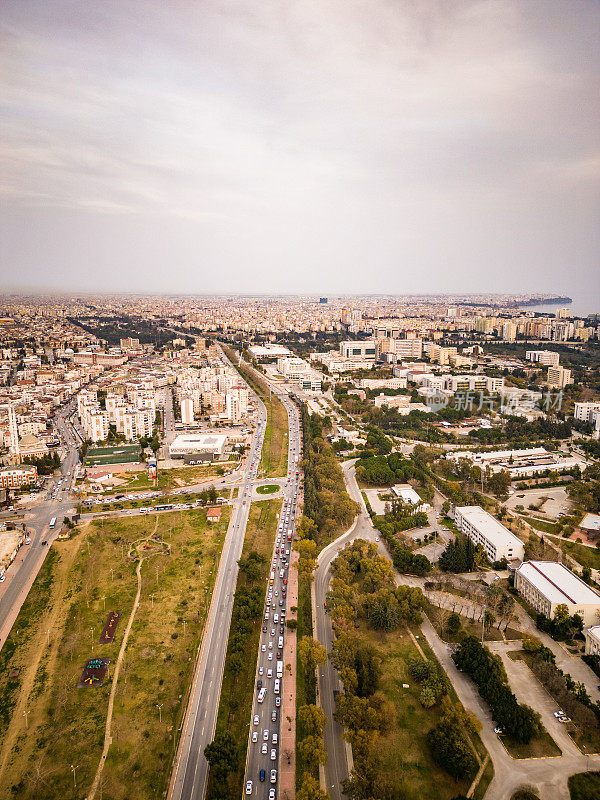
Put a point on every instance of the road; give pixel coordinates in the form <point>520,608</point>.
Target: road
<point>190,774</point>
<point>21,575</point>
<point>338,763</point>
<point>264,736</point>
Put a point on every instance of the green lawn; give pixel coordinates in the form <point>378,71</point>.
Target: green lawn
<point>93,575</point>
<point>586,556</point>
<point>585,786</point>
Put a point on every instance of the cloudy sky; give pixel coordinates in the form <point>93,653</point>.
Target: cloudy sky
<point>310,146</point>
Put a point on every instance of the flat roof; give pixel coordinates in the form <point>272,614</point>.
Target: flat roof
<point>557,583</point>
<point>591,522</point>
<point>489,526</point>
<point>199,439</point>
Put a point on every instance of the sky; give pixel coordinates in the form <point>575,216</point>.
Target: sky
<point>314,146</point>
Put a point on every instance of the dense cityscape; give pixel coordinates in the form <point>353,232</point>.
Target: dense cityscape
<point>392,501</point>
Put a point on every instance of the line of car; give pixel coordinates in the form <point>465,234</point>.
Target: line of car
<point>270,656</point>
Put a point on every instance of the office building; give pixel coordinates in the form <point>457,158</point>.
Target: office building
<point>365,351</point>
<point>548,584</point>
<point>485,530</point>
<point>195,444</point>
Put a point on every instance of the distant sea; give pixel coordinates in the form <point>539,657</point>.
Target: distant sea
<point>581,306</point>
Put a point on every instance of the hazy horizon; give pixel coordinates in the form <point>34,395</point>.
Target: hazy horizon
<point>321,148</point>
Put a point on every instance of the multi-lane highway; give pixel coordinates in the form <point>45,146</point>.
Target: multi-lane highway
<point>56,502</point>
<point>190,773</point>
<point>262,760</point>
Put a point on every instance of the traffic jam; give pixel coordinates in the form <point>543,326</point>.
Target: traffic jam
<point>265,727</point>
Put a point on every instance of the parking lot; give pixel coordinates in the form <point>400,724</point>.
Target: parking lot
<point>557,502</point>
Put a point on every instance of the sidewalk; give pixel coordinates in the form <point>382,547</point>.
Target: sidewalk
<point>287,749</point>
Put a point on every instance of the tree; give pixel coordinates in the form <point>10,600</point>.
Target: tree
<point>312,750</point>
<point>451,750</point>
<point>221,754</point>
<point>312,719</point>
<point>310,789</point>
<point>453,623</point>
<point>311,654</point>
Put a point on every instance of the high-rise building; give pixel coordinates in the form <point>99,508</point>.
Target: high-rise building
<point>187,410</point>
<point>559,377</point>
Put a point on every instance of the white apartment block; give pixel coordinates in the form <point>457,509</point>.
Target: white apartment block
<point>545,357</point>
<point>187,410</point>
<point>559,377</point>
<point>548,584</point>
<point>365,351</point>
<point>485,530</point>
<point>589,412</point>
<point>236,403</point>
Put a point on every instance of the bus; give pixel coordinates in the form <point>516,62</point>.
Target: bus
<point>52,522</point>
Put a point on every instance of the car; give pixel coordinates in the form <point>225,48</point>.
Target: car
<point>258,685</point>
<point>255,721</point>
<point>264,628</point>
<point>265,734</point>
<point>272,631</point>
<point>273,754</point>
<point>559,713</point>
<point>270,658</point>
<point>274,738</point>
<point>264,648</point>
<point>279,656</point>
<point>261,670</point>
<point>262,775</point>
<point>285,581</point>
<point>564,718</point>
<point>499,730</point>
<point>273,777</point>
<point>271,794</point>
<point>270,645</point>
<point>273,716</point>
<point>248,787</point>
<point>278,701</point>
<point>377,538</point>
<point>263,749</point>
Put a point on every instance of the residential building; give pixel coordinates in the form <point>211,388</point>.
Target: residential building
<point>548,584</point>
<point>548,358</point>
<point>14,477</point>
<point>559,377</point>
<point>485,530</point>
<point>589,412</point>
<point>187,410</point>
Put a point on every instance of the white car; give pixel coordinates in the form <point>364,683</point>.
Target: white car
<point>264,648</point>
<point>265,735</point>
<point>263,749</point>
<point>255,736</point>
<point>273,754</point>
<point>255,721</point>
<point>248,787</point>
<point>261,670</point>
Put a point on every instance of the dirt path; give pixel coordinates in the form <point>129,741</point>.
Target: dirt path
<point>38,647</point>
<point>111,702</point>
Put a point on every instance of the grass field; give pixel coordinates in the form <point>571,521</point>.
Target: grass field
<point>585,786</point>
<point>586,556</point>
<point>237,691</point>
<point>439,617</point>
<point>85,578</point>
<point>405,756</point>
<point>167,479</point>
<point>270,488</point>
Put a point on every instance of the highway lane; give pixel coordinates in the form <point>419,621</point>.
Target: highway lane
<point>190,773</point>
<point>20,576</point>
<point>264,735</point>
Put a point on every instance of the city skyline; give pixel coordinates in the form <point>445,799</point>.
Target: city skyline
<point>320,148</point>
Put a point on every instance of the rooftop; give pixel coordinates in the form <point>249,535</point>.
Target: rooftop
<point>488,525</point>
<point>558,583</point>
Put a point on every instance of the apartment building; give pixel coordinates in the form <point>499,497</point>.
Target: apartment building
<point>548,584</point>
<point>547,358</point>
<point>592,640</point>
<point>485,530</point>
<point>559,377</point>
<point>187,410</point>
<point>14,477</point>
<point>236,403</point>
<point>589,412</point>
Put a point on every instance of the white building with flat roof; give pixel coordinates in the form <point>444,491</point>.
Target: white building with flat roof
<point>548,584</point>
<point>592,640</point>
<point>365,350</point>
<point>484,529</point>
<point>198,443</point>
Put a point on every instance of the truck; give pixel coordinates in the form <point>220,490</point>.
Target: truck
<point>280,669</point>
